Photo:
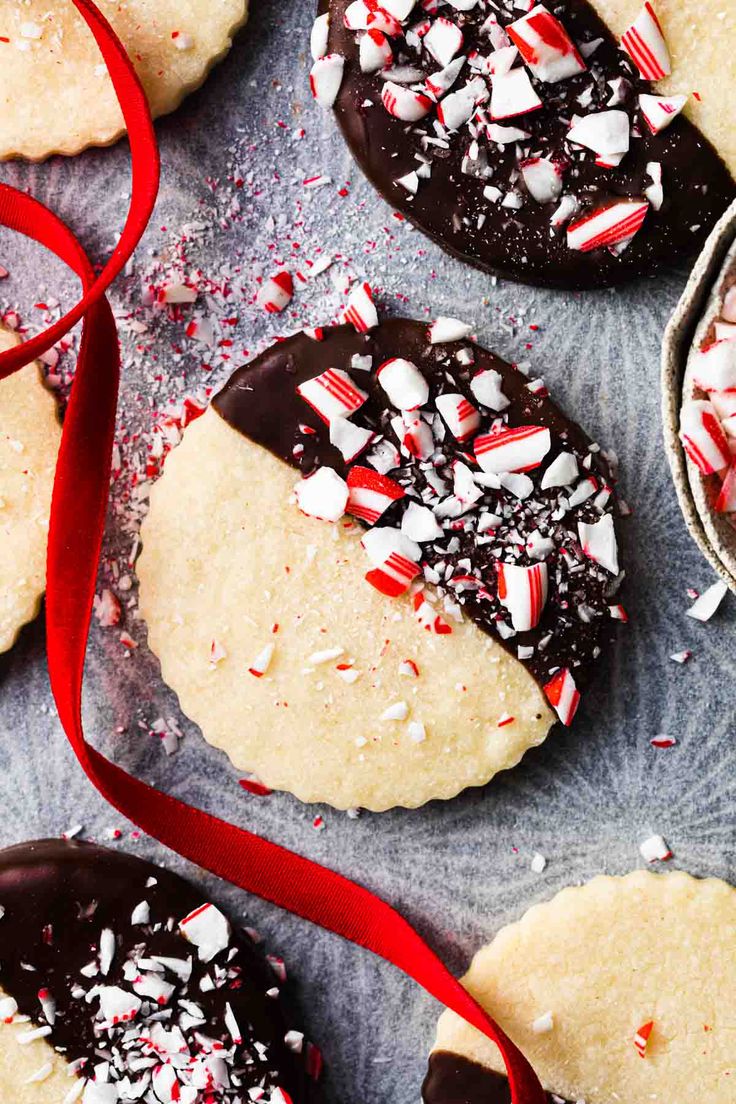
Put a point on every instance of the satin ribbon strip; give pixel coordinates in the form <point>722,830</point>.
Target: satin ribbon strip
<point>75,539</point>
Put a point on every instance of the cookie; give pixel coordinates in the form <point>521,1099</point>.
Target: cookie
<point>124,984</point>
<point>449,609</point>
<point>621,990</point>
<point>708,415</point>
<point>527,142</point>
<point>29,441</point>
<point>55,94</point>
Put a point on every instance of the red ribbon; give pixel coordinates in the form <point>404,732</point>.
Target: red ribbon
<point>75,538</point>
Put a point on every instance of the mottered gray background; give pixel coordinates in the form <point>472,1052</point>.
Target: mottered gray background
<point>234,204</point>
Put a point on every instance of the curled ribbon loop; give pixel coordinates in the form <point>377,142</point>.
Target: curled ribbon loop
<point>75,539</point>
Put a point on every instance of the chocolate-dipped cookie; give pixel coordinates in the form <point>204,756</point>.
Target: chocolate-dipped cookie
<point>119,982</point>
<point>619,991</point>
<point>554,144</point>
<point>381,565</point>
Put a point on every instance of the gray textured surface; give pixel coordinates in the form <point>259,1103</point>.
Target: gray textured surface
<point>585,799</point>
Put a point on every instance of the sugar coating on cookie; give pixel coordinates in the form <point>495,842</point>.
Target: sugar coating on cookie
<point>623,989</point>
<point>55,94</point>
<point>29,441</point>
<point>542,142</point>
<point>380,582</point>
<point>125,983</point>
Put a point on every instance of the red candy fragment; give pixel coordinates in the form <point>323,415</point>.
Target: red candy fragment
<point>404,104</point>
<point>563,695</point>
<point>641,1038</point>
<point>395,559</point>
<point>276,293</point>
<point>702,437</point>
<point>370,494</point>
<point>332,394</point>
<point>523,592</point>
<point>428,617</point>
<point>459,414</point>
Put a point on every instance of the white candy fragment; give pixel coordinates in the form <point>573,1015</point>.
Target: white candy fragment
<point>456,109</point>
<point>545,46</point>
<point>513,94</point>
<point>706,605</point>
<point>654,191</point>
<point>208,930</point>
<point>659,111</point>
<point>598,541</point>
<point>523,592</point>
<point>544,1023</point>
<point>714,368</point>
<point>604,132</point>
<point>325,78</point>
<point>562,472</point>
<point>644,42</point>
<point>406,387</point>
<point>8,1009</point>
<point>655,849</point>
<point>349,438</point>
<point>702,436</point>
<point>445,330</point>
<point>107,950</point>
<point>542,178</point>
<point>323,495</point>
<point>262,662</point>
<point>319,35</point>
<point>487,386</point>
<point>443,80</point>
<point>420,524</point>
<point>360,311</point>
<point>117,1005</point>
<point>399,711</point>
<point>443,40</point>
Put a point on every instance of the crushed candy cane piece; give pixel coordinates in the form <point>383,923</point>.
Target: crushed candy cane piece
<point>598,541</point>
<point>360,311</point>
<point>513,94</point>
<point>404,104</point>
<point>702,436</point>
<point>607,226</point>
<point>708,602</point>
<point>325,78</point>
<point>370,494</point>
<point>374,51</point>
<point>262,662</point>
<point>208,930</point>
<point>523,592</point>
<point>459,414</point>
<point>395,560</point>
<point>542,178</point>
<point>604,132</point>
<point>512,450</point>
<point>276,293</point>
<point>654,849</point>
<point>659,111</point>
<point>445,330</point>
<point>563,695</point>
<point>644,42</point>
<point>406,387</point>
<point>641,1038</point>
<point>322,495</point>
<point>545,45</point>
<point>544,1023</point>
<point>319,35</point>
<point>443,40</point>
<point>332,394</point>
<point>428,617</point>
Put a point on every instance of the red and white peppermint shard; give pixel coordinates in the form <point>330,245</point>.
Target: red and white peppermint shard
<point>370,494</point>
<point>443,80</point>
<point>117,1005</point>
<point>641,1038</point>
<point>325,78</point>
<point>607,226</point>
<point>706,604</point>
<point>563,695</point>
<point>659,111</point>
<point>512,450</point>
<point>276,293</point>
<point>542,177</point>
<point>406,387</point>
<point>443,40</point>
<point>644,43</point>
<point>414,435</point>
<point>404,104</point>
<point>374,51</point>
<point>545,46</point>
<point>513,94</point>
<point>428,618</point>
<point>208,930</point>
<point>444,330</point>
<point>702,437</point>
<point>322,495</point>
<point>360,311</point>
<point>261,663</point>
<point>459,414</point>
<point>604,132</point>
<point>714,368</point>
<point>394,558</point>
<point>523,592</point>
<point>332,394</point>
<point>726,501</point>
<point>487,386</point>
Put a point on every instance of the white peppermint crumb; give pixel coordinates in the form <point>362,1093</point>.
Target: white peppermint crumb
<point>538,863</point>
<point>543,1024</point>
<point>655,849</point>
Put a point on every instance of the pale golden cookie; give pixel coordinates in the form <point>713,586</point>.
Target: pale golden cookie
<point>604,960</point>
<point>226,557</point>
<point>55,94</point>
<point>29,441</point>
<point>31,1073</point>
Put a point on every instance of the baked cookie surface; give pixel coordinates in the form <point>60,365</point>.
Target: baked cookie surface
<point>620,990</point>
<point>55,94</point>
<point>29,441</point>
<point>550,162</point>
<point>124,984</point>
<point>376,659</point>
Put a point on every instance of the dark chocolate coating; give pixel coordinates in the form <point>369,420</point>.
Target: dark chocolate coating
<point>519,244</point>
<point>454,1079</point>
<point>58,896</point>
<point>260,401</point>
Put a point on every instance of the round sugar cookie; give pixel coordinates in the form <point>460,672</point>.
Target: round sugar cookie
<point>434,627</point>
<point>29,441</point>
<point>619,991</point>
<point>523,138</point>
<point>55,94</point>
<point>124,983</point>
